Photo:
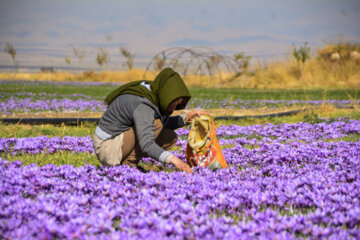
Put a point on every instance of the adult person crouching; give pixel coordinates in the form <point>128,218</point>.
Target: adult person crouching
<point>137,122</point>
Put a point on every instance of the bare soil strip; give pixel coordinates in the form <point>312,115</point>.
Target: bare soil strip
<point>213,112</point>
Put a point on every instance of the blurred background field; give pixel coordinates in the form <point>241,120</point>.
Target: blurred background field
<point>334,66</point>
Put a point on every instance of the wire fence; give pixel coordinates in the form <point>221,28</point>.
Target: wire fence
<point>201,61</point>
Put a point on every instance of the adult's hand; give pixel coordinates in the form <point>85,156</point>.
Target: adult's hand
<point>180,165</point>
<point>193,113</point>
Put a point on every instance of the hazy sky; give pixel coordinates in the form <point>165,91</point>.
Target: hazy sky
<point>43,30</point>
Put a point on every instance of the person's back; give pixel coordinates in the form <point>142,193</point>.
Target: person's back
<point>137,122</point>
<point>118,117</point>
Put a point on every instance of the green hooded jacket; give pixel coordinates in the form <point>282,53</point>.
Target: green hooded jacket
<point>167,86</point>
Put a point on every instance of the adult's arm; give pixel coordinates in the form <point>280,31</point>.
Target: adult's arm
<point>144,117</point>
<point>175,122</point>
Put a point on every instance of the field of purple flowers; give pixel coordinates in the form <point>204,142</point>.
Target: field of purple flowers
<point>285,181</point>
<point>28,102</point>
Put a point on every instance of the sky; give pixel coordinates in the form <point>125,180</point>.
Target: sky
<point>44,31</point>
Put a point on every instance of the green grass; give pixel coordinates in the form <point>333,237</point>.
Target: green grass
<point>60,158</point>
<point>69,158</point>
<point>349,138</point>
<point>201,93</point>
<point>93,91</point>
<point>26,130</point>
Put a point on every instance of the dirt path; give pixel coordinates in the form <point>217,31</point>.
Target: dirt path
<point>213,112</point>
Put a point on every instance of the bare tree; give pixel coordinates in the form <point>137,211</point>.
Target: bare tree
<point>68,60</point>
<point>10,50</point>
<point>102,57</point>
<point>129,63</point>
<point>242,62</point>
<point>79,53</point>
<point>302,53</point>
